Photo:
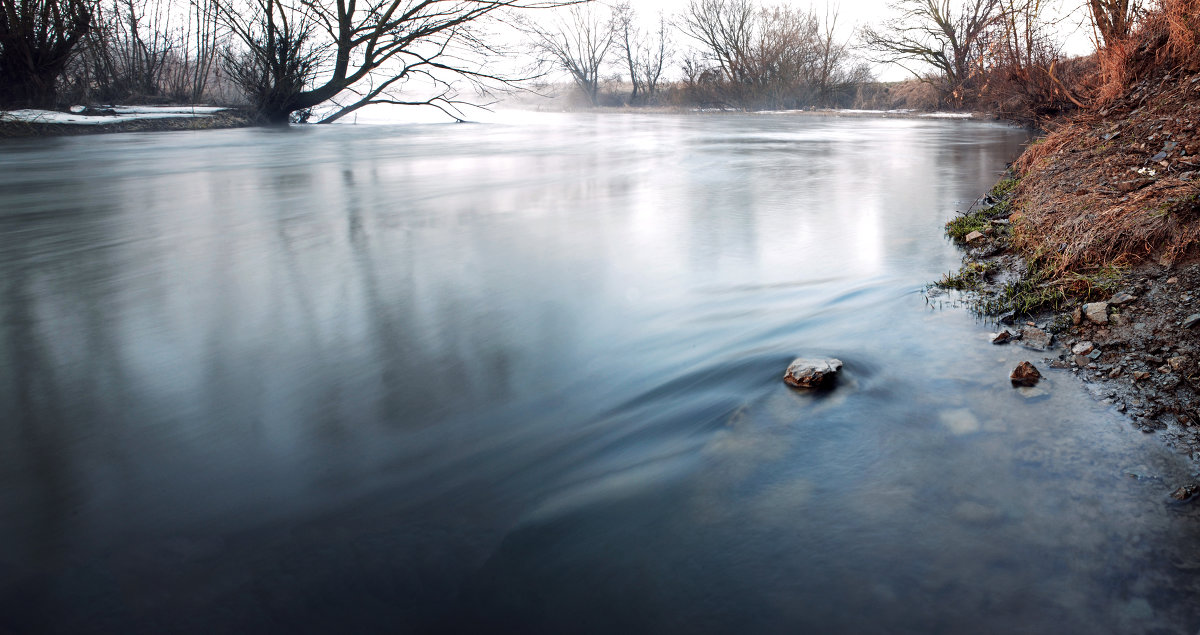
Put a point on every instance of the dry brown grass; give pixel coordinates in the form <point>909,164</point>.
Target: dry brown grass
<point>1073,232</point>
<point>1167,38</point>
<point>1095,194</point>
<point>1113,71</point>
<point>1179,20</point>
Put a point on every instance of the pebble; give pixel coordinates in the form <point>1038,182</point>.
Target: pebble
<point>1121,299</point>
<point>1096,312</point>
<point>1036,339</point>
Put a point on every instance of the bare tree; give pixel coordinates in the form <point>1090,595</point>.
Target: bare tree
<point>938,34</point>
<point>1112,19</point>
<point>194,71</point>
<point>777,56</point>
<point>37,41</point>
<point>625,32</point>
<point>653,53</point>
<point>644,53</point>
<point>279,58</point>
<point>576,40</point>
<point>724,29</point>
<point>295,55</point>
<point>832,53</point>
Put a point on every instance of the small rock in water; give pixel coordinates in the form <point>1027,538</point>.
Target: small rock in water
<point>1025,374</point>
<point>1177,364</point>
<point>973,236</point>
<point>1083,348</point>
<point>1121,299</point>
<point>1002,337</point>
<point>1082,361</point>
<point>811,373</point>
<point>1096,312</point>
<point>1036,338</point>
<point>1141,375</point>
<point>1077,316</point>
<point>1187,492</point>
<point>1009,318</point>
<point>1095,355</point>
<point>1192,320</point>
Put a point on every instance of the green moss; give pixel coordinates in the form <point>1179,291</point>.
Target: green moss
<point>959,227</point>
<point>969,277</point>
<point>980,220</point>
<point>1005,188</point>
<point>1095,285</point>
<point>1033,292</point>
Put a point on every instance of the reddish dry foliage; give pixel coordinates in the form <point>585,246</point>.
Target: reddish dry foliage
<point>1167,39</point>
<point>1122,184</point>
<point>1117,186</point>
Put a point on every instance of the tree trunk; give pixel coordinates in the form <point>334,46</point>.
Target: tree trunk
<point>27,90</point>
<point>275,114</point>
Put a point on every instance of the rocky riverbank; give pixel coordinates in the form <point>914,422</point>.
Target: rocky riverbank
<point>1086,253</point>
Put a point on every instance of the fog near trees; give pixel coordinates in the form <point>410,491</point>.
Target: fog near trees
<point>320,60</point>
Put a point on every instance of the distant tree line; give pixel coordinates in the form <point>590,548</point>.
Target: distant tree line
<point>289,59</point>
<point>1000,55</point>
<point>733,53</point>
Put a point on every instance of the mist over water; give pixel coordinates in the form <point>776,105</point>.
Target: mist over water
<point>526,377</point>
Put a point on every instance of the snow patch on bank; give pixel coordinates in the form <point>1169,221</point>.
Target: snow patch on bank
<point>123,113</point>
<point>948,115</point>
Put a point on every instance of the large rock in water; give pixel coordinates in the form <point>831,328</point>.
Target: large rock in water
<point>811,372</point>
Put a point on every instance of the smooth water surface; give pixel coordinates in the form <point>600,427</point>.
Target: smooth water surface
<point>527,378</point>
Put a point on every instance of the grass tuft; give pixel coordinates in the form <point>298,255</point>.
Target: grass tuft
<point>970,277</point>
<point>959,227</point>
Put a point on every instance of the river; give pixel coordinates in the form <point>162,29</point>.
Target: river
<point>526,377</point>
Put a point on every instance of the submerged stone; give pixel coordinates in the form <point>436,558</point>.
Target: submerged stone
<point>812,373</point>
<point>1187,492</point>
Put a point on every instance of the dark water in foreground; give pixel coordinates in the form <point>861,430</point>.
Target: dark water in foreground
<point>527,378</point>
